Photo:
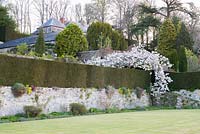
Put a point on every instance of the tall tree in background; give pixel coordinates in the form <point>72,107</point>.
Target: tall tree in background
<point>167,42</point>
<point>118,7</point>
<point>170,6</point>
<point>20,10</point>
<point>40,44</point>
<point>184,38</point>
<point>130,13</point>
<point>182,59</point>
<point>54,8</point>
<point>125,12</point>
<point>183,41</point>
<point>167,37</point>
<point>102,7</point>
<point>78,12</point>
<point>5,19</point>
<point>147,22</point>
<point>61,9</point>
<point>90,13</point>
<point>40,7</point>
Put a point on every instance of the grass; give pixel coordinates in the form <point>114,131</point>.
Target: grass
<point>144,122</point>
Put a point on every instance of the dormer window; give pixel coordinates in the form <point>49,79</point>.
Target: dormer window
<point>49,30</point>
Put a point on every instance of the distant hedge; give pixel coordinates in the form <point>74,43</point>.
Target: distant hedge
<point>58,74</point>
<point>189,81</point>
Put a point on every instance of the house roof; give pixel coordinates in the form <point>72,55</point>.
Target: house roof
<point>53,22</point>
<point>81,26</point>
<point>50,37</point>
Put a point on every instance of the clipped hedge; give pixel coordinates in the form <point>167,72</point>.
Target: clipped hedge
<point>188,80</point>
<point>51,73</point>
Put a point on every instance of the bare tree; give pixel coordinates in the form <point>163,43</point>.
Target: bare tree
<point>90,13</point>
<point>78,12</point>
<point>118,6</point>
<point>61,9</point>
<point>50,7</point>
<point>130,11</point>
<point>40,8</point>
<point>171,6</point>
<point>102,7</point>
<point>20,10</point>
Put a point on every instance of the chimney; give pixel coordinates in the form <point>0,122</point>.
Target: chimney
<point>62,20</point>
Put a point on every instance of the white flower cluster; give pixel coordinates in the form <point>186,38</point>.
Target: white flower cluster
<point>138,57</point>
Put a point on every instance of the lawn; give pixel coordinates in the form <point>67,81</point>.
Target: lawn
<point>146,122</point>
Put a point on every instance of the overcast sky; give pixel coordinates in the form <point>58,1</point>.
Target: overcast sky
<point>88,1</point>
<point>80,1</point>
<point>36,23</point>
<point>159,2</point>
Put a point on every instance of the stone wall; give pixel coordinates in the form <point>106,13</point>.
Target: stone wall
<point>188,99</point>
<point>59,99</point>
<point>88,55</point>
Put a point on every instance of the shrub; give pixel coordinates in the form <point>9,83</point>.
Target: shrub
<point>32,111</point>
<point>193,61</point>
<point>118,41</point>
<point>70,41</point>
<point>95,110</point>
<point>18,89</point>
<point>77,109</point>
<point>112,110</point>
<point>22,49</point>
<point>97,34</point>
<point>32,53</point>
<point>101,35</point>
<point>173,58</point>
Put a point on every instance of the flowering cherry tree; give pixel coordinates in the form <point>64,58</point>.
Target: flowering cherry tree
<point>138,57</point>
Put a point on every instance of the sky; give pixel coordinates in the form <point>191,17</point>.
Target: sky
<point>80,1</point>
<point>83,2</point>
<point>88,1</point>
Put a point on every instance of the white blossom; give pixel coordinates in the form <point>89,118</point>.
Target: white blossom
<point>138,57</point>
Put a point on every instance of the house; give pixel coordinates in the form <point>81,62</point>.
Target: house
<point>52,25</point>
<point>51,29</point>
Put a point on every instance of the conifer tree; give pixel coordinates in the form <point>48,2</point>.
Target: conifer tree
<point>167,38</point>
<point>167,42</point>
<point>40,43</point>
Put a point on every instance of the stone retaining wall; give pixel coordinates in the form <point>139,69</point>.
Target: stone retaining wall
<point>59,99</point>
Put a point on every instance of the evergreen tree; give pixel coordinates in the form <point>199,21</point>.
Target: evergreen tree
<point>167,42</point>
<point>182,59</point>
<point>6,24</point>
<point>5,19</point>
<point>70,41</point>
<point>99,34</point>
<point>118,41</point>
<point>40,43</point>
<point>184,38</point>
<point>174,59</point>
<point>167,38</point>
